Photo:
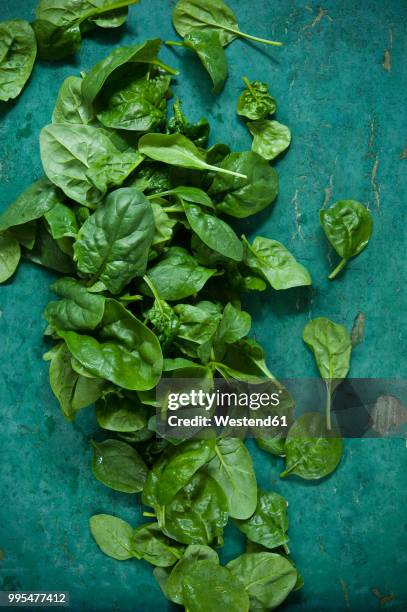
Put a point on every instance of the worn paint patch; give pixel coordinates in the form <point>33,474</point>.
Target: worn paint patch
<point>358,329</point>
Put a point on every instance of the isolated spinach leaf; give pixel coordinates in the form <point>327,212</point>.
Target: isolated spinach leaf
<point>126,352</point>
<point>214,232</point>
<point>242,197</point>
<point>118,466</point>
<point>256,102</point>
<point>267,577</point>
<point>178,150</point>
<point>177,275</point>
<point>269,523</point>
<point>72,390</point>
<point>332,347</point>
<point>70,106</point>
<point>121,414</point>
<point>18,49</point>
<point>9,256</point>
<point>193,552</point>
<point>312,451</point>
<point>83,161</point>
<point>153,546</point>
<point>209,586</point>
<point>77,310</point>
<point>270,138</point>
<point>348,227</point>
<point>136,104</point>
<point>32,204</point>
<point>190,15</point>
<point>232,468</point>
<point>113,536</point>
<point>272,261</point>
<point>198,513</point>
<point>113,244</point>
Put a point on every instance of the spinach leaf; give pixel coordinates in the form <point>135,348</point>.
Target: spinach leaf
<point>62,222</point>
<point>121,414</point>
<point>70,106</point>
<point>193,552</point>
<point>136,104</point>
<point>18,49</point>
<point>127,352</point>
<point>269,523</point>
<point>273,262</point>
<point>332,347</point>
<point>198,513</point>
<point>178,150</point>
<point>197,327</point>
<point>118,466</point>
<point>177,275</point>
<point>214,232</point>
<point>83,161</point>
<point>72,390</point>
<point>197,132</point>
<point>113,536</point>
<point>190,15</point>
<point>79,309</point>
<point>9,256</point>
<point>59,23</point>
<point>152,545</point>
<point>270,138</point>
<point>256,102</point>
<point>207,45</point>
<point>242,197</point>
<point>244,360</point>
<point>348,227</point>
<point>113,243</point>
<point>209,586</point>
<point>48,252</point>
<point>232,468</point>
<point>104,71</point>
<point>312,450</point>
<point>267,577</point>
<point>189,194</point>
<point>32,204</point>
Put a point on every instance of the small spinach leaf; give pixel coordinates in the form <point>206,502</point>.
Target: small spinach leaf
<point>32,204</point>
<point>153,546</point>
<point>269,523</point>
<point>113,536</point>
<point>256,102</point>
<point>77,310</point>
<point>9,255</point>
<point>18,49</point>
<point>118,466</point>
<point>270,138</point>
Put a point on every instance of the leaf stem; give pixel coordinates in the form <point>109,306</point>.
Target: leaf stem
<point>250,37</point>
<point>328,405</point>
<point>174,43</point>
<point>164,67</point>
<point>338,268</point>
<point>249,86</point>
<point>225,171</point>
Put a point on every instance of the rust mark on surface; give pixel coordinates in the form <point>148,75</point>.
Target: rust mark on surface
<point>358,329</point>
<point>297,217</point>
<point>1,555</point>
<point>403,154</point>
<point>322,13</point>
<point>345,592</point>
<point>374,183</point>
<point>383,599</point>
<point>387,60</point>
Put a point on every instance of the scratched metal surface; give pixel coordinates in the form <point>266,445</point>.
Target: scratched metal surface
<point>341,83</point>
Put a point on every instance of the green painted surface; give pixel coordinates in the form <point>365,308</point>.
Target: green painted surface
<point>347,115</point>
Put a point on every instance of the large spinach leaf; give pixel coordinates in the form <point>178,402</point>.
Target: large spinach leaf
<point>77,310</point>
<point>114,242</point>
<point>83,161</point>
<point>70,106</point>
<point>193,552</point>
<point>232,468</point>
<point>267,577</point>
<point>118,466</point>
<point>153,546</point>
<point>269,523</point>
<point>9,256</point>
<point>32,204</point>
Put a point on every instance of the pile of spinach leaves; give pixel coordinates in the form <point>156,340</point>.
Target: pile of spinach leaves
<point>134,213</point>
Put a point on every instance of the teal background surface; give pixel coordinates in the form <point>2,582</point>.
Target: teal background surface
<point>347,113</point>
